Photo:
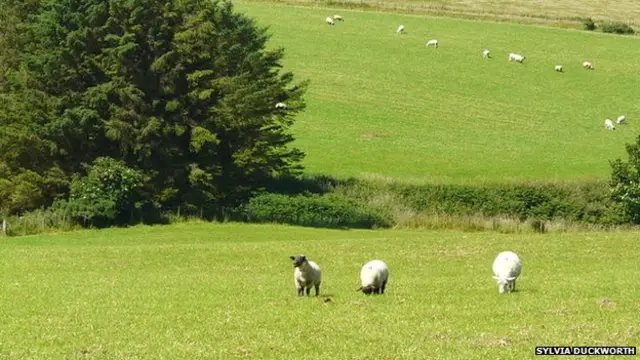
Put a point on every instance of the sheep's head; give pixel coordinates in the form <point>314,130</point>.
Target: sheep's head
<point>504,283</point>
<point>298,260</point>
<point>367,290</point>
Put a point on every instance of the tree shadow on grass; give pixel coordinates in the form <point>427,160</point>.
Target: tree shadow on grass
<point>308,184</point>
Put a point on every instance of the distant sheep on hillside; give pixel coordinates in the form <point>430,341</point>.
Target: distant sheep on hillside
<point>621,119</point>
<point>337,18</point>
<point>432,43</point>
<point>486,53</point>
<point>608,124</point>
<point>329,20</point>
<point>400,29</point>
<point>558,68</point>
<point>516,57</point>
<point>587,65</point>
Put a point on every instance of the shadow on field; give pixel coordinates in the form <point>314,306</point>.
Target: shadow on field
<point>313,184</point>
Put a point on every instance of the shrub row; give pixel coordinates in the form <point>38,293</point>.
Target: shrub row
<point>585,203</point>
<point>331,203</point>
<point>612,28</point>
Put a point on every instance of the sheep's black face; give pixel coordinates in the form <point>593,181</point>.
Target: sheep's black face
<point>368,290</point>
<point>298,260</point>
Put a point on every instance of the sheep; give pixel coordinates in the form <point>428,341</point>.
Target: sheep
<point>516,57</point>
<point>329,21</point>
<point>621,119</point>
<point>281,105</point>
<point>587,65</point>
<point>608,124</point>
<point>433,43</point>
<point>307,274</point>
<point>506,269</point>
<point>486,53</point>
<point>374,276</point>
<point>558,68</point>
<point>400,29</point>
<point>337,18</point>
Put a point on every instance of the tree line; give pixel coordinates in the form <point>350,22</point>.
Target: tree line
<point>113,110</point>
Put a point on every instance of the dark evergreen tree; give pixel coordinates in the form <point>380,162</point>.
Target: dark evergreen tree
<point>182,91</point>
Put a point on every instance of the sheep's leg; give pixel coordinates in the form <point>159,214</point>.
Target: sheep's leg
<point>300,291</point>
<point>317,289</point>
<point>308,290</point>
<point>513,286</point>
<point>384,286</point>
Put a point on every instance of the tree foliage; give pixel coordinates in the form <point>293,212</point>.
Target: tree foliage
<point>625,182</point>
<point>181,91</point>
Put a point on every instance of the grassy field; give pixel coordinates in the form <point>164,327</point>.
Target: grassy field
<point>385,105</point>
<point>556,12</point>
<point>207,291</point>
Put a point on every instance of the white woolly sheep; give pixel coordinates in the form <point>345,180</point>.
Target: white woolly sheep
<point>400,29</point>
<point>433,43</point>
<point>608,124</point>
<point>307,274</point>
<point>587,65</point>
<point>516,57</point>
<point>506,269</point>
<point>558,68</point>
<point>281,105</point>
<point>337,18</point>
<point>486,53</point>
<point>329,20</point>
<point>374,276</point>
<point>621,119</point>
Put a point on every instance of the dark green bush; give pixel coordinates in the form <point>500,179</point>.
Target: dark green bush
<point>589,24</point>
<point>625,182</point>
<point>617,28</point>
<point>330,211</point>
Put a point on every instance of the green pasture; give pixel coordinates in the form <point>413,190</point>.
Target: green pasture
<point>210,291</point>
<point>382,104</point>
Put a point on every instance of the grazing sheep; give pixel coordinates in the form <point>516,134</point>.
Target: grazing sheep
<point>506,269</point>
<point>587,65</point>
<point>330,20</point>
<point>400,29</point>
<point>516,57</point>
<point>558,68</point>
<point>433,43</point>
<point>374,276</point>
<point>307,274</point>
<point>621,119</point>
<point>281,105</point>
<point>608,124</point>
<point>486,53</point>
<point>337,18</point>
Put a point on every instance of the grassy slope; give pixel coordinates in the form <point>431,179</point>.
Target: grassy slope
<point>204,291</point>
<point>385,104</point>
